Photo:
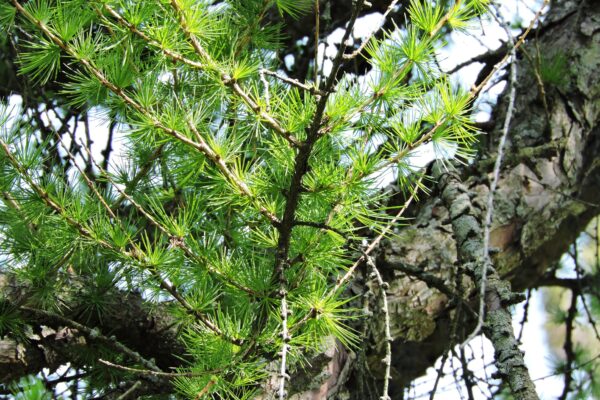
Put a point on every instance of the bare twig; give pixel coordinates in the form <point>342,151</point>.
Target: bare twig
<point>568,346</point>
<point>130,391</point>
<point>375,242</point>
<point>439,375</point>
<point>467,374</point>
<point>293,82</point>
<point>586,280</point>
<point>486,259</point>
<point>387,360</point>
<point>525,314</point>
<point>366,40</point>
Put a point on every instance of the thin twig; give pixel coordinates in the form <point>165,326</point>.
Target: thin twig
<point>130,391</point>
<point>387,360</point>
<point>486,259</point>
<point>515,46</point>
<point>366,40</point>
<point>568,346</point>
<point>438,377</point>
<point>139,371</point>
<point>375,241</point>
<point>580,286</point>
<point>432,281</point>
<point>574,368</point>
<point>525,314</point>
<point>293,82</point>
<point>467,374</point>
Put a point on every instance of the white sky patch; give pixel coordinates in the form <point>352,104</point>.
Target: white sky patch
<point>480,353</point>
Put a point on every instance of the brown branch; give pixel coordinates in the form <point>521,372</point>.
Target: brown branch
<point>294,82</point>
<point>95,334</point>
<point>170,375</point>
<point>568,345</point>
<point>430,279</point>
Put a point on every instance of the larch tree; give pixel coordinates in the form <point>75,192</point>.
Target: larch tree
<point>229,236</point>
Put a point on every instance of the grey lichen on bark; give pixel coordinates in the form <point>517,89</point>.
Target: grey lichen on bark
<point>466,223</point>
<point>547,193</point>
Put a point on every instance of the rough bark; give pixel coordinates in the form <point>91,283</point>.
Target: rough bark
<point>52,342</point>
<point>547,193</point>
<point>467,229</point>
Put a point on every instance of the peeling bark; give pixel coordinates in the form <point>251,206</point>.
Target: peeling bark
<point>50,343</point>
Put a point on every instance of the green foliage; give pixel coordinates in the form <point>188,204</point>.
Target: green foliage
<point>555,70</point>
<point>240,191</point>
<point>31,388</point>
